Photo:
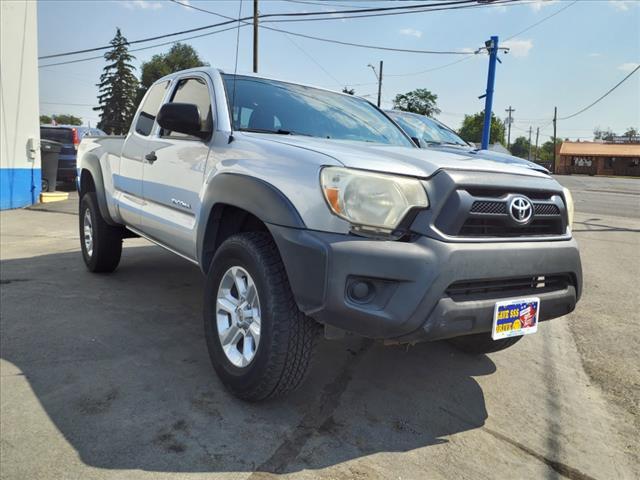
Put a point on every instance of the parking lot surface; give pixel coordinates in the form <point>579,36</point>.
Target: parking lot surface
<point>107,376</point>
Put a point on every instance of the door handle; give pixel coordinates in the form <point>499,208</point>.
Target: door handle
<point>151,157</point>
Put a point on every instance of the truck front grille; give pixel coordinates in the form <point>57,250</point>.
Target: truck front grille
<point>484,213</point>
<point>504,287</point>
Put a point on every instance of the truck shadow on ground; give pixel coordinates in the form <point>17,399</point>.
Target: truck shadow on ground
<point>119,364</point>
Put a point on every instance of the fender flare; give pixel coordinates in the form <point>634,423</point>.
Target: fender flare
<point>259,198</point>
<point>91,164</point>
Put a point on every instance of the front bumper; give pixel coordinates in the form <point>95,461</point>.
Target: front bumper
<point>409,300</point>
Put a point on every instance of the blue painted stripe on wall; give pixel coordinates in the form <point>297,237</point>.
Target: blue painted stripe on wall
<point>19,187</point>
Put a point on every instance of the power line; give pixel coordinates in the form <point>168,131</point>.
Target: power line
<point>144,48</point>
<point>470,55</point>
<point>601,97</point>
<point>328,40</point>
<point>308,55</point>
<point>142,40</point>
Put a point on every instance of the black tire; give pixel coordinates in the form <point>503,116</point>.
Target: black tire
<point>480,343</point>
<point>107,239</point>
<point>287,336</point>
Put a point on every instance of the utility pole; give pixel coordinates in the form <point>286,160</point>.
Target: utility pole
<point>379,78</point>
<point>529,143</point>
<point>255,36</point>
<point>555,123</point>
<point>380,84</point>
<point>509,121</point>
<point>535,153</point>
<point>492,48</point>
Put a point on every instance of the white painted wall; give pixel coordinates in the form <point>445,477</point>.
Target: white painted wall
<point>20,176</point>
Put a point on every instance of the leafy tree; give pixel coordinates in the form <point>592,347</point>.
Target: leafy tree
<point>117,88</point>
<point>545,152</point>
<point>520,147</point>
<point>605,135</point>
<point>66,119</point>
<point>631,133</point>
<point>45,119</point>
<point>420,101</point>
<point>472,125</point>
<point>350,91</point>
<point>180,57</point>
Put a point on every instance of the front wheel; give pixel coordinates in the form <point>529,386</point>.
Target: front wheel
<point>260,343</point>
<point>482,343</point>
<point>100,242</point>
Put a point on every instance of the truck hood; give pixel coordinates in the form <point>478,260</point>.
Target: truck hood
<point>405,161</point>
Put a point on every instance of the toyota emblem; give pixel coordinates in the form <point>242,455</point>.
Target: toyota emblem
<point>520,209</point>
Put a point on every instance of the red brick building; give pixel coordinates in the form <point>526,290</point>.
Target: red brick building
<point>593,158</point>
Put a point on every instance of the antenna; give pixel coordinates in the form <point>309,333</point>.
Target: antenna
<point>235,72</point>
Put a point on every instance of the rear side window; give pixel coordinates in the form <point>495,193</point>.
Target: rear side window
<point>193,90</point>
<point>150,108</point>
<point>62,135</point>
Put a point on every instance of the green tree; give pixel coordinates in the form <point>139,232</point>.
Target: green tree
<point>45,119</point>
<point>420,101</point>
<point>472,125</point>
<point>520,147</point>
<point>66,119</point>
<point>180,57</point>
<point>631,133</point>
<point>605,135</point>
<point>349,91</point>
<point>117,88</point>
<point>545,152</point>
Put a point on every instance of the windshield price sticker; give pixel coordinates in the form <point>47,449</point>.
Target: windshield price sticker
<point>515,317</point>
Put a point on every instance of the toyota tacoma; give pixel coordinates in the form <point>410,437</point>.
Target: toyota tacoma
<point>310,209</point>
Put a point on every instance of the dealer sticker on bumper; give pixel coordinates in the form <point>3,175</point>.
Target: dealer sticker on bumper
<point>515,317</point>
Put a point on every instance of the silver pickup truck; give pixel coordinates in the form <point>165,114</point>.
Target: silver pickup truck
<point>307,208</point>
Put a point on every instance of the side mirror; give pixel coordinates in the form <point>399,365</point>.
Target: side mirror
<point>182,118</point>
<point>416,140</point>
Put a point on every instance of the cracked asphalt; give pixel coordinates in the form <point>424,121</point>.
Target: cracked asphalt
<point>107,376</point>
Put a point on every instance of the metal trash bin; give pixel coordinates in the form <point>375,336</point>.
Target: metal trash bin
<point>49,153</point>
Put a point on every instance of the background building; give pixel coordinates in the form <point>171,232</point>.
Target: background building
<point>20,175</point>
<point>593,158</point>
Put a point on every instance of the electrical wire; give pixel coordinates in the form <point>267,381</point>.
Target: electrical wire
<point>601,97</point>
<point>144,48</point>
<point>328,40</point>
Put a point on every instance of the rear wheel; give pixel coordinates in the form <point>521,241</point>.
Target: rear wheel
<point>100,242</point>
<point>482,343</point>
<point>260,343</point>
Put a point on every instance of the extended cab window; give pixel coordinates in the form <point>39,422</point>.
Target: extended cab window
<point>195,91</point>
<point>150,108</point>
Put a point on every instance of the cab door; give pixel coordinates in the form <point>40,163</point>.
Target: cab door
<point>173,172</point>
<point>127,179</point>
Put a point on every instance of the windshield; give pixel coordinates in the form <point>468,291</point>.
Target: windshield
<point>426,129</point>
<point>269,106</point>
<point>62,135</point>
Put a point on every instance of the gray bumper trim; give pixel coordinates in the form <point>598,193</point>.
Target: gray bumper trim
<point>411,278</point>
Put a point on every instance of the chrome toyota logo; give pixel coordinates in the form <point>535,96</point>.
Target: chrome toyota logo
<point>521,209</point>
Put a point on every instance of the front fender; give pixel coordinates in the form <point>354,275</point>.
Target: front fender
<point>251,194</point>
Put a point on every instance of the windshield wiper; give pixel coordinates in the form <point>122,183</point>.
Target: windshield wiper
<point>279,131</point>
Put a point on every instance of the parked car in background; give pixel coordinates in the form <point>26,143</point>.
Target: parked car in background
<point>427,132</point>
<point>69,136</point>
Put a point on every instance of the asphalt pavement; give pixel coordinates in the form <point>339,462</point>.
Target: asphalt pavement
<point>107,376</point>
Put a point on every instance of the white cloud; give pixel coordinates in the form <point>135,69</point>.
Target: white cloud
<point>538,5</point>
<point>629,66</point>
<point>518,48</point>
<point>411,32</point>
<point>143,4</point>
<point>621,5</point>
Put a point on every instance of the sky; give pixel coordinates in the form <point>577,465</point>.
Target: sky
<point>568,60</point>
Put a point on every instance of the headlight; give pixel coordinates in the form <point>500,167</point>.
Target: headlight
<point>374,200</point>
<point>570,208</point>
